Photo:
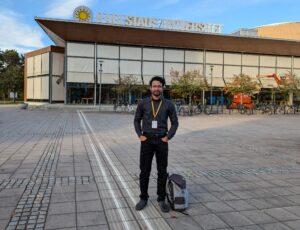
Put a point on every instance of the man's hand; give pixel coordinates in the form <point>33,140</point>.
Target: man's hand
<point>143,138</point>
<point>165,139</point>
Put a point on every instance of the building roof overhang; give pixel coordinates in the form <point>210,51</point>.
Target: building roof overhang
<point>61,31</point>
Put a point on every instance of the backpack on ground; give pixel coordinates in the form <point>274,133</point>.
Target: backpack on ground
<point>177,193</point>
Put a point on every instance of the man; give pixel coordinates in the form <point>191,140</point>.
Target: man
<point>154,136</point>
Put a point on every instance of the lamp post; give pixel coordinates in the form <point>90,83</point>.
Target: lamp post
<point>100,82</point>
<point>211,81</point>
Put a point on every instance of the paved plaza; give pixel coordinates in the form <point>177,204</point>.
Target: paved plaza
<point>76,169</point>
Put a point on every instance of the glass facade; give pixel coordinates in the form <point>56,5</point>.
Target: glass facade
<point>83,67</point>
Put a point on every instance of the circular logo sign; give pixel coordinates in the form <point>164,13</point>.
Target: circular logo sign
<point>82,13</point>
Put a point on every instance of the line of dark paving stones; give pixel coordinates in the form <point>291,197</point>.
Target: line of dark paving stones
<point>63,181</point>
<point>31,209</point>
<point>22,182</point>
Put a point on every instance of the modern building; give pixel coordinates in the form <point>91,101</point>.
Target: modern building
<point>285,30</point>
<point>86,52</point>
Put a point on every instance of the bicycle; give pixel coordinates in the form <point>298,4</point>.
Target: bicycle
<point>242,109</point>
<point>199,108</point>
<point>289,109</point>
<point>131,109</point>
<point>183,110</point>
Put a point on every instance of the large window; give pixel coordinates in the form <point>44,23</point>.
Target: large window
<point>194,56</point>
<point>38,77</point>
<point>268,61</point>
<point>153,54</point>
<point>146,62</point>
<point>250,60</point>
<point>106,51</point>
<point>80,70</point>
<point>174,55</point>
<point>80,50</point>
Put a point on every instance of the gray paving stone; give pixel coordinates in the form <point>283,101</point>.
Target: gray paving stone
<point>281,214</point>
<point>258,216</point>
<point>119,215</point>
<point>225,195</point>
<point>295,189</point>
<point>9,201</point>
<point>3,223</point>
<point>279,202</point>
<point>294,209</point>
<point>86,188</point>
<point>83,196</point>
<point>6,212</point>
<point>62,197</point>
<point>96,227</point>
<point>89,206</point>
<point>197,209</point>
<point>294,224</point>
<point>210,221</point>
<point>115,203</point>
<point>235,219</point>
<point>240,205</point>
<point>61,208</point>
<point>130,225</point>
<point>295,199</point>
<point>244,194</point>
<point>218,207</point>
<point>213,188</point>
<point>64,189</point>
<point>250,227</point>
<point>205,197</point>
<point>61,221</point>
<point>250,167</point>
<point>91,219</point>
<point>183,223</point>
<point>260,203</point>
<point>275,226</point>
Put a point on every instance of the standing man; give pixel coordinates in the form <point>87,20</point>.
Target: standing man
<point>154,136</point>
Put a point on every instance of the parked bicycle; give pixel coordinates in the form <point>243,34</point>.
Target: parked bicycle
<point>125,108</point>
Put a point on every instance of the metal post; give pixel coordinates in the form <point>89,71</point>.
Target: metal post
<point>211,81</point>
<point>100,82</point>
<point>222,99</point>
<point>95,74</point>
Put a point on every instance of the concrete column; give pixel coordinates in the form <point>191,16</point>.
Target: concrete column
<point>290,101</point>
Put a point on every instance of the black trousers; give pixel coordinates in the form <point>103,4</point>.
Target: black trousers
<point>153,145</point>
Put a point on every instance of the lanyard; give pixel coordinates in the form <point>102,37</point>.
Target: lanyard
<point>153,111</point>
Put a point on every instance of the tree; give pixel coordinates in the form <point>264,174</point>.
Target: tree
<point>242,84</point>
<point>188,84</point>
<point>128,85</point>
<point>1,73</point>
<point>11,72</point>
<point>290,86</point>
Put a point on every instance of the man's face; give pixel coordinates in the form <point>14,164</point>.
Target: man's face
<point>156,88</point>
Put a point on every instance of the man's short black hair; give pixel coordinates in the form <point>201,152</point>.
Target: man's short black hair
<point>157,78</point>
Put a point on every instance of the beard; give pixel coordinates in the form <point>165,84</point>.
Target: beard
<point>156,93</point>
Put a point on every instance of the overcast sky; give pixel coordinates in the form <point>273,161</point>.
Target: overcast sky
<point>19,31</point>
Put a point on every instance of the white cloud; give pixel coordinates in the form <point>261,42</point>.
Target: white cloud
<point>64,9</point>
<point>15,34</point>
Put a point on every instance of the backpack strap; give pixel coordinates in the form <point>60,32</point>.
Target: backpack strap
<point>169,198</point>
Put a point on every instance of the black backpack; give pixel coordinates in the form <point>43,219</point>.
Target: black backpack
<point>177,193</point>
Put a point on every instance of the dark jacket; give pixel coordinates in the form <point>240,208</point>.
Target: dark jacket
<point>144,113</point>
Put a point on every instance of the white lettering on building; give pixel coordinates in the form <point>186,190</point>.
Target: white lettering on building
<point>156,23</point>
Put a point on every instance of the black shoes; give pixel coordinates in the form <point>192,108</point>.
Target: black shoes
<point>140,205</point>
<point>164,207</point>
